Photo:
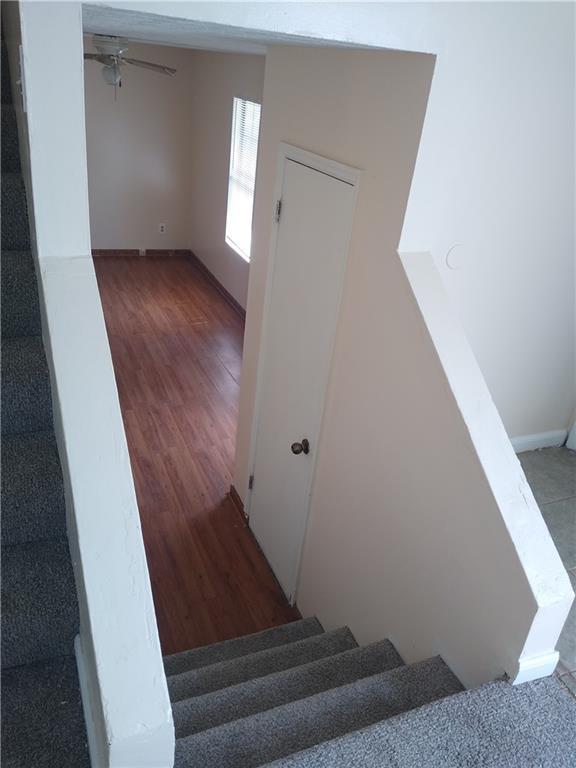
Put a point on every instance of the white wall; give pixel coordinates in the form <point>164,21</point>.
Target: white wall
<point>404,492</point>
<point>495,178</point>
<point>218,78</point>
<point>495,172</point>
<point>139,155</point>
<point>160,154</point>
<point>125,697</point>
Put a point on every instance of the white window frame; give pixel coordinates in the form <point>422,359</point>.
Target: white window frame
<point>242,176</point>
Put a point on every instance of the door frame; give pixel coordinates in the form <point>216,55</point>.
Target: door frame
<point>348,175</point>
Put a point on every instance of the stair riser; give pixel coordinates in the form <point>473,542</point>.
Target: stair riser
<point>20,305</point>
<point>39,605</point>
<point>26,403</point>
<point>10,152</point>
<point>241,646</point>
<point>42,718</point>
<point>200,713</point>
<point>223,675</point>
<point>15,228</point>
<point>6,94</point>
<point>32,490</point>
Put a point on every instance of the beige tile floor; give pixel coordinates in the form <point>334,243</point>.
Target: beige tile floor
<point>551,473</point>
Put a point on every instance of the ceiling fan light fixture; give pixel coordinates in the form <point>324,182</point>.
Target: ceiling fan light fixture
<point>111,55</point>
<point>111,74</point>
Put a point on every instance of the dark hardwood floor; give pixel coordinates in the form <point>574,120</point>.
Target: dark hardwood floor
<point>176,346</point>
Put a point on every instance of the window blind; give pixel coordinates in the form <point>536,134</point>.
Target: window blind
<point>242,177</point>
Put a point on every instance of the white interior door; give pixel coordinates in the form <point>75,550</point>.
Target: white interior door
<point>309,260</point>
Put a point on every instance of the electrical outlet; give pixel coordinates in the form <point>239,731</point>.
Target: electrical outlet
<point>162,228</point>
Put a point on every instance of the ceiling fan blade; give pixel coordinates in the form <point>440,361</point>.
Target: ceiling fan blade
<point>149,65</point>
<point>108,61</point>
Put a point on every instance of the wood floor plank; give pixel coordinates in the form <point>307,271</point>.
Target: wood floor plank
<point>176,346</point>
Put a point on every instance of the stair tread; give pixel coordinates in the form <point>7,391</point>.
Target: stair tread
<point>6,91</point>
<point>15,229</point>
<point>258,739</point>
<point>33,505</point>
<point>42,718</point>
<point>39,604</point>
<point>233,671</point>
<point>498,725</point>
<point>241,646</point>
<point>26,396</point>
<point>20,304</point>
<point>10,152</point>
<point>219,707</point>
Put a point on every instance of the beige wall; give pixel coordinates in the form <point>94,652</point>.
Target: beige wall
<point>160,154</point>
<point>399,532</point>
<point>139,152</point>
<point>495,173</point>
<point>218,78</point>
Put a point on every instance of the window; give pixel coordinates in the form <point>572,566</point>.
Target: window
<point>243,152</point>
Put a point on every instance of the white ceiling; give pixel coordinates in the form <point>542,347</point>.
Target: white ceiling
<point>165,30</point>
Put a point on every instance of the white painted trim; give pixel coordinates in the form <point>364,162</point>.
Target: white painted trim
<point>534,667</point>
<point>541,440</point>
<point>88,692</point>
<point>350,176</point>
<point>571,443</point>
<point>317,163</point>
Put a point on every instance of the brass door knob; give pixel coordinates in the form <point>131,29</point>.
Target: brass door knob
<point>302,447</point>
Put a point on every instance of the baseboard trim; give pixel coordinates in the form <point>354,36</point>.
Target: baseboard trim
<point>159,253</point>
<point>217,284</point>
<point>541,440</point>
<point>88,688</point>
<point>571,443</point>
<point>132,253</point>
<point>237,501</point>
<point>118,252</point>
<point>534,667</point>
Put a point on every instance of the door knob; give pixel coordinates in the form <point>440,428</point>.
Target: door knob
<point>303,447</point>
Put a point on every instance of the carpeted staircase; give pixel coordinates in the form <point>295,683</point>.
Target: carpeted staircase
<point>298,697</point>
<point>42,720</point>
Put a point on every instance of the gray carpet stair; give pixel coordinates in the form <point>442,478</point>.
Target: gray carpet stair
<point>225,673</point>
<point>262,693</point>
<point>32,489</point>
<point>357,708</point>
<point>10,150</point>
<point>39,607</point>
<point>42,720</point>
<point>241,646</point>
<point>495,726</point>
<point>261,738</point>
<point>26,395</point>
<point>15,230</point>
<point>20,306</point>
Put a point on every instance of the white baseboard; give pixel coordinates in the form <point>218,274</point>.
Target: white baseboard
<point>97,757</point>
<point>541,440</point>
<point>572,439</point>
<point>534,667</point>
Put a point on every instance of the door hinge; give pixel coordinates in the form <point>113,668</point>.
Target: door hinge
<point>278,211</point>
<point>251,482</point>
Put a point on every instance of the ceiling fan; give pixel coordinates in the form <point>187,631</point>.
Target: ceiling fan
<point>111,54</point>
